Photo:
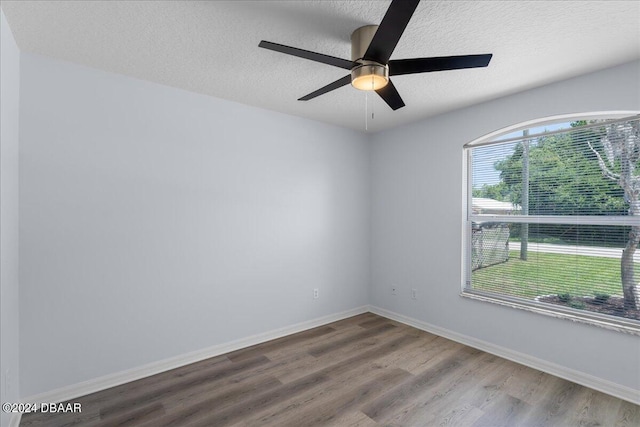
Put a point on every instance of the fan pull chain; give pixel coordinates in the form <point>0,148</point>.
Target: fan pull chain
<point>372,104</point>
<point>366,111</point>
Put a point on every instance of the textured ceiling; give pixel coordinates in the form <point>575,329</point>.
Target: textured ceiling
<point>211,47</point>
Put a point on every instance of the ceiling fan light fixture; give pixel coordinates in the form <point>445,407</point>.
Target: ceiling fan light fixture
<point>370,75</point>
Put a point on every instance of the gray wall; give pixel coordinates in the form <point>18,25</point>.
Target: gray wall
<point>417,181</point>
<point>9,87</point>
<point>155,222</point>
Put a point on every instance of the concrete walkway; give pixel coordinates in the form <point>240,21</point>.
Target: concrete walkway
<point>574,250</point>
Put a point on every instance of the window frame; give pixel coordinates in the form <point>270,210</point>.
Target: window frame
<point>620,324</point>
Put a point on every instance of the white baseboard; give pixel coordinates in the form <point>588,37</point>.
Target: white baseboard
<point>14,421</point>
<point>112,380</point>
<point>623,392</point>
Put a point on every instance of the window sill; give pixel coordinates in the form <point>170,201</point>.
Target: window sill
<point>608,322</point>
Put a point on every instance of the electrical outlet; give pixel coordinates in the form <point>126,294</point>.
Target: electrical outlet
<point>316,293</point>
<point>414,293</point>
<point>394,290</point>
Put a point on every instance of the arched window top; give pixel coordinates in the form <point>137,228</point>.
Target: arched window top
<point>538,126</point>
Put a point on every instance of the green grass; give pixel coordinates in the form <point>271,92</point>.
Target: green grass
<point>550,274</point>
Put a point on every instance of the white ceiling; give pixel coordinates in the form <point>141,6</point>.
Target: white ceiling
<point>211,47</point>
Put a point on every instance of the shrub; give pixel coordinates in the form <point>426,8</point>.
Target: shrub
<point>601,298</point>
<point>564,297</point>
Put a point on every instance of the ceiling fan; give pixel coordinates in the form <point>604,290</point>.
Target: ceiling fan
<point>371,48</point>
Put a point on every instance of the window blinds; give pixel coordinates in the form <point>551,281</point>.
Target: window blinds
<point>553,218</point>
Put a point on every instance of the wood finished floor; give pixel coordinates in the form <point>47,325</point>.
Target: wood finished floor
<point>362,371</point>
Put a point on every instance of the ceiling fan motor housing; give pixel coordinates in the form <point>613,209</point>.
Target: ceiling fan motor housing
<point>369,75</point>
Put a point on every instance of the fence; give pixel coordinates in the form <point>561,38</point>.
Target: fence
<point>489,245</point>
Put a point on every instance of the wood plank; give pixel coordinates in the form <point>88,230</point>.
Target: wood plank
<point>257,402</point>
<point>138,415</point>
<point>371,323</point>
<point>354,320</point>
<point>303,347</point>
<point>169,389</point>
<point>460,415</point>
<point>38,419</point>
<point>506,411</point>
<point>335,387</point>
<point>433,406</point>
<point>593,407</point>
<point>326,411</point>
<point>280,343</point>
<point>431,377</point>
<point>353,419</point>
<point>215,401</point>
<point>493,386</point>
<point>350,351</point>
<point>92,403</point>
<point>363,371</point>
<point>413,357</point>
<point>628,416</point>
<point>325,348</point>
<point>558,404</point>
<point>353,362</point>
<point>528,385</point>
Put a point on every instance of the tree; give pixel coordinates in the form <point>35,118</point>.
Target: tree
<point>564,178</point>
<point>620,145</point>
<point>497,191</point>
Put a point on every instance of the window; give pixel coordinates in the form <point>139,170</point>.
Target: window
<point>553,221</point>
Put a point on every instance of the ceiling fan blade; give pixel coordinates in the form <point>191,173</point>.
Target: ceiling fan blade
<point>391,96</point>
<point>328,88</point>
<point>307,54</point>
<point>425,65</point>
<point>390,30</point>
